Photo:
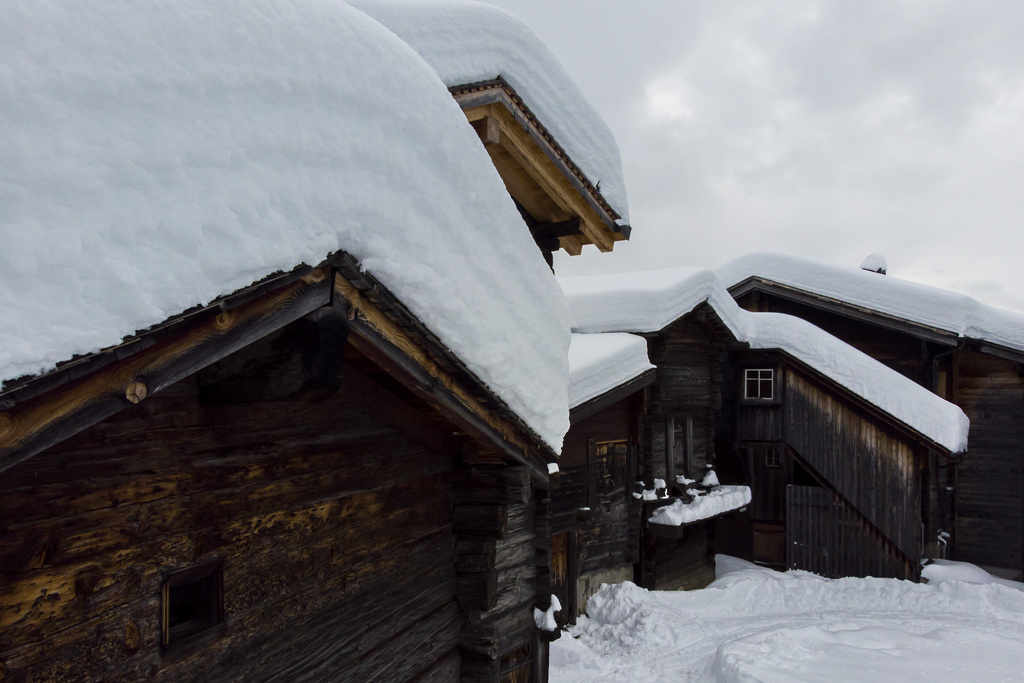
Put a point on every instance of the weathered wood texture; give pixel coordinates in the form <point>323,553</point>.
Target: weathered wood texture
<point>991,474</point>
<point>687,391</point>
<point>827,536</point>
<point>989,495</point>
<point>42,421</point>
<point>597,473</point>
<point>334,527</point>
<point>490,638</point>
<point>683,563</point>
<point>869,464</point>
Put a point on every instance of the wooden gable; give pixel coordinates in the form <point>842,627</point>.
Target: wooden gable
<point>561,205</point>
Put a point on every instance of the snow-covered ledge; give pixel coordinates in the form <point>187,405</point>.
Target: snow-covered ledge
<point>718,501</point>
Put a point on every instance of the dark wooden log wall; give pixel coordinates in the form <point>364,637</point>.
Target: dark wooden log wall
<point>990,487</point>
<point>689,385</point>
<point>872,466</point>
<point>497,556</point>
<point>685,563</point>
<point>691,359</point>
<point>334,526</point>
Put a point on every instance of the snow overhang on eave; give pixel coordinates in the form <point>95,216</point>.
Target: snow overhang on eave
<point>843,308</point>
<point>537,172</point>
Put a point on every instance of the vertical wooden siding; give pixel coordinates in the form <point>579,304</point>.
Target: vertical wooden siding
<point>827,536</point>
<point>991,475</point>
<point>870,465</point>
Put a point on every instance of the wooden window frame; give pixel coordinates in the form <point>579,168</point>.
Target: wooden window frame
<point>177,637</point>
<point>760,382</point>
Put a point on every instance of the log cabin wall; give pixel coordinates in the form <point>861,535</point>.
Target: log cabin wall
<point>685,400</point>
<point>677,437</point>
<point>331,516</point>
<point>871,465</point>
<point>599,544</point>
<point>501,558</point>
<point>990,477</point>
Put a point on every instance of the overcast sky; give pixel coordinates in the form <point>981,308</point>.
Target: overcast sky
<point>827,129</point>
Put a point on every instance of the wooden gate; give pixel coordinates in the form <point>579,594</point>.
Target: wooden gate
<point>827,536</point>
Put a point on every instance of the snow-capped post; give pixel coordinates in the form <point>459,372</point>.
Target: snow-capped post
<point>545,619</point>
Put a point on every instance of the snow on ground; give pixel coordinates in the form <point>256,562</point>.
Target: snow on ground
<point>600,362</point>
<point>468,42</point>
<point>157,155</point>
<point>939,308</point>
<point>757,625</point>
<point>651,300</point>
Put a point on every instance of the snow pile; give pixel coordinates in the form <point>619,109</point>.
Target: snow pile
<point>649,301</point>
<point>955,313</point>
<point>468,42</point>
<point>545,620</point>
<point>158,155</point>
<point>874,263</point>
<point>717,501</point>
<point>948,570</point>
<point>754,624</point>
<point>600,362</point>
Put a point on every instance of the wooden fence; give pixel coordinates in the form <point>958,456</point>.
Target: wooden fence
<point>826,535</point>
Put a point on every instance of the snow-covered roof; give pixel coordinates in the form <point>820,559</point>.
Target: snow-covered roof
<point>159,155</point>
<point>468,42</point>
<point>937,308</point>
<point>599,363</point>
<point>651,300</point>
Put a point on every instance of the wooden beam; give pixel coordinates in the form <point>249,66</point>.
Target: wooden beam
<point>31,426</point>
<point>376,336</point>
<point>569,228</point>
<point>543,170</point>
<point>489,130</point>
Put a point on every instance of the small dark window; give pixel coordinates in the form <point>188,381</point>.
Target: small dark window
<point>192,602</point>
<point>772,458</point>
<point>759,384</point>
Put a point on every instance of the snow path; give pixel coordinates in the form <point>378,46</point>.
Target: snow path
<point>758,625</point>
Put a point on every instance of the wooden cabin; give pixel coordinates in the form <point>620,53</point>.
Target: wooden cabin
<point>296,482</point>
<point>836,483</point>
<point>979,497</point>
<point>839,485</point>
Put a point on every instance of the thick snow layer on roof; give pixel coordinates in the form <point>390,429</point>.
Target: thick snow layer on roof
<point>158,155</point>
<point>600,362</point>
<point>468,42</point>
<point>939,308</point>
<point>717,501</point>
<point>649,301</point>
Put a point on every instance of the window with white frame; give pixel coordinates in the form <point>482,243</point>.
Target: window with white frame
<point>759,384</point>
